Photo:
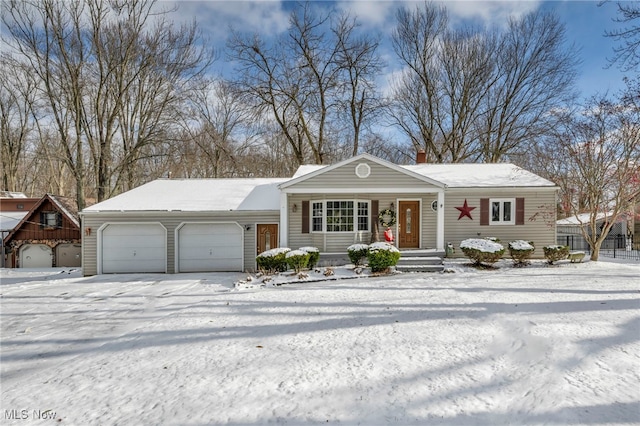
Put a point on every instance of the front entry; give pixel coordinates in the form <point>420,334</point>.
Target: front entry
<point>267,237</point>
<point>408,224</point>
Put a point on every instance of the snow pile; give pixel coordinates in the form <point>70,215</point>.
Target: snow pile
<point>293,253</point>
<point>358,247</point>
<point>482,245</point>
<point>275,252</point>
<point>521,245</point>
<point>383,246</point>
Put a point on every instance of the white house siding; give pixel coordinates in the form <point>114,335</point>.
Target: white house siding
<point>171,220</point>
<point>539,217</point>
<point>339,241</point>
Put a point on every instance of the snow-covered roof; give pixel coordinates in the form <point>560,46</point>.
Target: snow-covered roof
<point>9,220</point>
<point>484,175</point>
<point>194,195</point>
<point>462,175</point>
<point>580,219</point>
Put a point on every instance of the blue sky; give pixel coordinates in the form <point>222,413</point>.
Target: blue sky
<point>585,21</point>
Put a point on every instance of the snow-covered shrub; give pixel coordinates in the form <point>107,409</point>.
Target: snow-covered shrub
<point>357,252</point>
<point>382,256</point>
<point>521,252</point>
<point>297,259</point>
<point>314,256</point>
<point>554,253</point>
<point>482,250</point>
<point>273,260</point>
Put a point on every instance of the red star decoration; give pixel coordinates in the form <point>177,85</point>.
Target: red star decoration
<point>465,210</point>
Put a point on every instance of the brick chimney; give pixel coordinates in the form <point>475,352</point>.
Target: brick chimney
<point>421,157</point>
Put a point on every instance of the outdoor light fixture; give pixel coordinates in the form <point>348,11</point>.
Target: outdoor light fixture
<point>294,208</point>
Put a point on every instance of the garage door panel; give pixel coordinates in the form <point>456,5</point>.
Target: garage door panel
<point>133,248</point>
<point>35,256</point>
<point>210,247</point>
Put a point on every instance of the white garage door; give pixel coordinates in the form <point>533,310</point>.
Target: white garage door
<point>210,247</point>
<point>68,255</point>
<point>134,248</point>
<point>35,256</point>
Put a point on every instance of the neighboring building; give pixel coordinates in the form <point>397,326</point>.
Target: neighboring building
<point>48,235</point>
<point>191,225</point>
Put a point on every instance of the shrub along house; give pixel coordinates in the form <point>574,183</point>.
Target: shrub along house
<point>48,235</point>
<point>189,225</point>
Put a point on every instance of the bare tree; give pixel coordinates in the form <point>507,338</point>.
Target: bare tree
<point>306,80</point>
<point>534,75</point>
<point>477,94</point>
<point>17,123</point>
<point>599,165</point>
<point>627,53</point>
<point>109,71</point>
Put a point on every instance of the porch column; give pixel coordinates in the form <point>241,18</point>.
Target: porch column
<point>284,220</point>
<point>440,224</point>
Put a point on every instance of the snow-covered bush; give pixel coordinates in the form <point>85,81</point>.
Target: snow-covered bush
<point>297,259</point>
<point>357,252</point>
<point>521,252</point>
<point>482,250</point>
<point>382,256</point>
<point>273,260</point>
<point>554,253</point>
<point>314,256</point>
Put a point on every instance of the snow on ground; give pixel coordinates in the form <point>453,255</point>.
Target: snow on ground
<point>556,345</point>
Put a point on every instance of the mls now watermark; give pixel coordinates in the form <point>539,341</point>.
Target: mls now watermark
<point>29,415</point>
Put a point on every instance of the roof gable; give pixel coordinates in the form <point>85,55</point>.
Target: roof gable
<point>308,172</point>
<point>62,205</point>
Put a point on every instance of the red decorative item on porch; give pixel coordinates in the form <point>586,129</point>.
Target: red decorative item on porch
<point>388,235</point>
<point>465,210</point>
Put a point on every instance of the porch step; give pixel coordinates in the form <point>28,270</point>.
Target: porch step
<point>417,260</point>
<point>420,263</point>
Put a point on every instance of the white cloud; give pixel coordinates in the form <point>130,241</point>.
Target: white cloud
<point>370,13</point>
<point>490,13</point>
<point>215,18</point>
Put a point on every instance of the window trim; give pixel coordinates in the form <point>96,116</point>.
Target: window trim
<point>501,213</point>
<point>323,218</point>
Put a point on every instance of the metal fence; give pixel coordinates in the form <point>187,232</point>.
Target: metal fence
<point>617,246</point>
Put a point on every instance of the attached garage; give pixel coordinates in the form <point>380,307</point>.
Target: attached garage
<point>210,247</point>
<point>36,256</point>
<point>133,248</point>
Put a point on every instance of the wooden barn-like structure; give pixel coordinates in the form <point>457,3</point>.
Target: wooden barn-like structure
<point>48,235</point>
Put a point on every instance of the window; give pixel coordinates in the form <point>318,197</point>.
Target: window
<point>339,216</point>
<point>50,220</point>
<point>316,217</point>
<point>502,211</point>
<point>363,216</point>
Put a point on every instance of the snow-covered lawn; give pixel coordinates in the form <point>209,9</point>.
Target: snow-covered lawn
<point>556,345</point>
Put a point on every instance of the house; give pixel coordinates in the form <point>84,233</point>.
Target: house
<point>620,235</point>
<point>14,206</point>
<point>192,225</point>
<point>48,235</point>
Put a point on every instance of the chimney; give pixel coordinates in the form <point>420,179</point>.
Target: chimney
<point>421,157</point>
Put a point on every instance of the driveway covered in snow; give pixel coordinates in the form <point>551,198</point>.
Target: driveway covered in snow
<point>536,345</point>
